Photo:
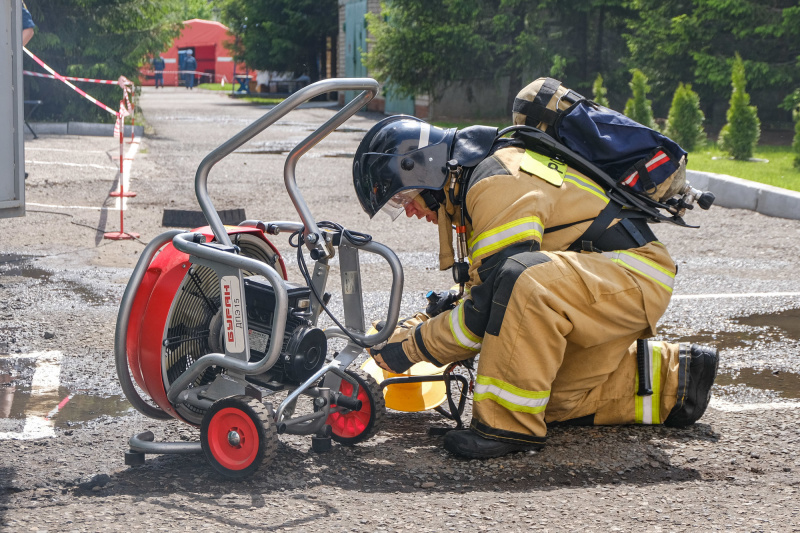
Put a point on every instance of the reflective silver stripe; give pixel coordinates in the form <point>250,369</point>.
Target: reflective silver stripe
<point>424,134</point>
<point>648,408</point>
<point>645,267</point>
<point>462,335</point>
<point>526,228</point>
<point>586,185</point>
<point>511,397</point>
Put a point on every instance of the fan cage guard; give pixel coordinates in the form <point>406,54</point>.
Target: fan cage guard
<point>187,333</point>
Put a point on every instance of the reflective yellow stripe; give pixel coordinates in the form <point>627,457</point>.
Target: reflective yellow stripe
<point>461,334</point>
<point>522,229</point>
<point>586,185</point>
<point>509,396</point>
<point>645,267</point>
<point>648,408</point>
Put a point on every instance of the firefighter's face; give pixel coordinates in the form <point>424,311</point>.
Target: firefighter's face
<point>418,208</point>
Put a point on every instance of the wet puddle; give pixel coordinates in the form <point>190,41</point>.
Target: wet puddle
<point>758,383</point>
<point>782,325</point>
<point>12,265</point>
<point>32,402</point>
<point>18,265</point>
<point>65,409</point>
<point>788,321</point>
<point>786,384</point>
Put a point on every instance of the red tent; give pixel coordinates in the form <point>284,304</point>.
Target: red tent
<point>207,40</point>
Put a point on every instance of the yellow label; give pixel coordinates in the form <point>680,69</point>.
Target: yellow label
<point>550,170</point>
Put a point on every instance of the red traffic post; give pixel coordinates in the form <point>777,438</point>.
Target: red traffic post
<point>121,234</point>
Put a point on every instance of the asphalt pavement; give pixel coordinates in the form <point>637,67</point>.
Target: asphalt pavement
<point>64,425</point>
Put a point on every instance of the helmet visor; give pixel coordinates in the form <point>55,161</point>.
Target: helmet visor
<point>397,203</point>
<point>381,178</point>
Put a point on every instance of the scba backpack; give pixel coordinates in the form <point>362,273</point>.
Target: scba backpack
<point>635,157</point>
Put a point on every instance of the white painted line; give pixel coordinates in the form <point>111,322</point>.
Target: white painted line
<point>73,207</point>
<point>89,165</point>
<point>126,178</point>
<point>71,150</point>
<point>46,377</point>
<point>733,295</point>
<point>722,405</point>
<point>45,382</point>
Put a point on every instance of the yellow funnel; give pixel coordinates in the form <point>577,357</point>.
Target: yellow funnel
<point>410,397</point>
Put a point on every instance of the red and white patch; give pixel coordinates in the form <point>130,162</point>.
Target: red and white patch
<point>659,159</point>
<point>232,314</point>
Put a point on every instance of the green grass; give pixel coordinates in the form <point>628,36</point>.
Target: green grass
<point>262,101</point>
<point>778,171</point>
<point>216,87</point>
<point>229,88</point>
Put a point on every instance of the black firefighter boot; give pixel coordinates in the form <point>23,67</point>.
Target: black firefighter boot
<point>467,443</point>
<point>698,370</point>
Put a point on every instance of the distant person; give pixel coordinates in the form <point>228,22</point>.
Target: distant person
<point>158,67</point>
<point>189,67</point>
<point>27,25</point>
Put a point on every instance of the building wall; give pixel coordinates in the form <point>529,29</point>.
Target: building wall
<point>470,100</point>
<point>208,39</point>
<point>373,6</point>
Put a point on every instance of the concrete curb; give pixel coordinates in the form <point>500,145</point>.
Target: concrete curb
<point>737,193</point>
<point>81,128</point>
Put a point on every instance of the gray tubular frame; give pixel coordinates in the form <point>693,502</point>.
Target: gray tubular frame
<point>312,234</point>
<point>188,243</point>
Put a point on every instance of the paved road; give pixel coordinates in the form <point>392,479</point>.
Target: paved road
<point>60,282</point>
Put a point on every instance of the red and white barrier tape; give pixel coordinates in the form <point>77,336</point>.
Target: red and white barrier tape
<point>123,81</point>
<point>63,79</point>
<point>126,107</point>
<point>196,72</point>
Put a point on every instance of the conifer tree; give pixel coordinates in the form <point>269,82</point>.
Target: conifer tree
<point>599,92</point>
<point>639,107</point>
<point>740,135</point>
<point>685,119</point>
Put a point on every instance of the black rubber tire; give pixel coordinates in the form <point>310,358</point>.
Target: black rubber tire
<point>242,461</point>
<point>374,402</point>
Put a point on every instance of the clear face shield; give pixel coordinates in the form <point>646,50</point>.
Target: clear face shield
<point>396,205</point>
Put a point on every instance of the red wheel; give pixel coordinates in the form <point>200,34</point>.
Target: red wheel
<point>351,427</point>
<point>237,435</point>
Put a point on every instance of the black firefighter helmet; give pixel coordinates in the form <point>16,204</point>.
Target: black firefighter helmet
<point>400,157</point>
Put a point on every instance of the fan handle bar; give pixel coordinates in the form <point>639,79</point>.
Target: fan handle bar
<point>312,234</point>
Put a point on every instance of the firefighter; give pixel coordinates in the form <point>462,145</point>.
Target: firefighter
<point>561,332</point>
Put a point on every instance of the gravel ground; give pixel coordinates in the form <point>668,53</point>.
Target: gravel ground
<point>60,283</point>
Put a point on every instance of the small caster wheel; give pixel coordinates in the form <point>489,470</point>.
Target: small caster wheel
<point>351,427</point>
<point>134,458</point>
<point>321,444</point>
<point>237,436</point>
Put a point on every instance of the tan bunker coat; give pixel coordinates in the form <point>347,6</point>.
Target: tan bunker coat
<point>556,329</point>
